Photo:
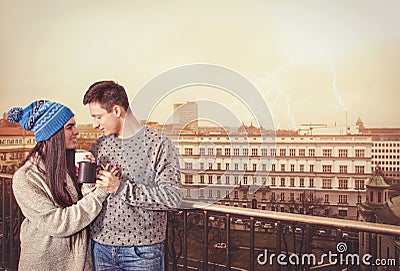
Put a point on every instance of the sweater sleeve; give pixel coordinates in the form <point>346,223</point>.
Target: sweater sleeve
<point>36,203</point>
<point>161,188</point>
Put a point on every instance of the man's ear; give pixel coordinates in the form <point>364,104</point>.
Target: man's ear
<point>117,110</point>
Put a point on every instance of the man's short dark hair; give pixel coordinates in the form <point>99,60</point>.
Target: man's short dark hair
<point>107,94</point>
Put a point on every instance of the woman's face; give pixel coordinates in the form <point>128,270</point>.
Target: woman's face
<point>70,133</point>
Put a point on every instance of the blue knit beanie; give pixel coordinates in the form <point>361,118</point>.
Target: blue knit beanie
<point>43,117</point>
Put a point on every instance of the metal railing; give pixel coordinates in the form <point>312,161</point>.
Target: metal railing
<point>217,237</point>
<point>312,234</point>
<point>10,221</point>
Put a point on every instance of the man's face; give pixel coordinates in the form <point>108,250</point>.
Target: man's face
<point>106,122</point>
<point>70,133</point>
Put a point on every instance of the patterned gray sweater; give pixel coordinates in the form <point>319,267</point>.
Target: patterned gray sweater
<point>150,185</point>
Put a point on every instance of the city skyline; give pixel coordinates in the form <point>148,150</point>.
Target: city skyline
<point>312,62</point>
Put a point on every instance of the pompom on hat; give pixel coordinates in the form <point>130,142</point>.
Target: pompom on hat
<point>44,118</point>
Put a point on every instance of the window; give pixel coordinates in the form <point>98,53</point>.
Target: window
<point>245,180</point>
<point>282,168</point>
<point>291,196</point>
<point>343,184</point>
<point>311,181</point>
<point>301,182</point>
<point>236,194</point>
<point>283,182</point>
<point>188,179</point>
<point>292,168</point>
<point>188,165</point>
<point>282,152</point>
<point>273,168</point>
<point>273,197</point>
<point>292,182</point>
<point>301,168</point>
<point>218,166</point>
<point>360,153</point>
<point>302,152</point>
<point>273,181</point>
<point>342,212</point>
<point>327,183</point>
<point>326,153</point>
<point>311,152</point>
<point>245,167</point>
<point>359,184</point>
<point>359,169</point>
<point>264,167</point>
<point>343,169</point>
<point>326,198</point>
<point>254,167</point>
<point>236,179</point>
<point>227,152</point>
<point>209,165</point>
<point>292,152</point>
<point>236,166</point>
<point>201,178</point>
<point>311,168</point>
<point>245,152</point>
<point>210,151</point>
<point>342,153</point>
<point>219,151</point>
<point>273,152</point>
<point>326,168</point>
<point>226,166</point>
<point>264,152</point>
<point>343,199</point>
<point>282,196</point>
<point>226,179</point>
<point>254,152</point>
<point>188,151</point>
<point>236,151</point>
<point>210,179</point>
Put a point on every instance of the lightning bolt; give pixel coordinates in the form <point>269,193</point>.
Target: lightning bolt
<point>335,89</point>
<point>271,84</point>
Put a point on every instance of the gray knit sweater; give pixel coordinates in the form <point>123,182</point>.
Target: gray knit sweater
<point>47,227</point>
<point>150,185</point>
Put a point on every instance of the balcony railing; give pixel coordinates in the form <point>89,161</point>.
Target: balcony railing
<point>217,237</point>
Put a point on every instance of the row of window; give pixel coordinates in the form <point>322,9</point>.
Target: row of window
<point>16,141</point>
<point>301,168</point>
<point>300,197</point>
<point>272,152</point>
<point>236,180</point>
<point>386,144</point>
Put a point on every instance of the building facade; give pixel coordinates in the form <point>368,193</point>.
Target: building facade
<point>286,172</point>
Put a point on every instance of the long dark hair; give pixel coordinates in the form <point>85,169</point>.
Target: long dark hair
<point>58,162</point>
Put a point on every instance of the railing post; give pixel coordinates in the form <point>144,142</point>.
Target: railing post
<point>228,241</point>
<point>185,239</point>
<point>205,241</point>
<point>278,243</point>
<point>252,243</point>
<point>308,244</point>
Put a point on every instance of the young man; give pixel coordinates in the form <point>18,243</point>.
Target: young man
<point>129,232</point>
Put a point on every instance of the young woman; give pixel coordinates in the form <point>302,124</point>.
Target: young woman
<point>54,232</point>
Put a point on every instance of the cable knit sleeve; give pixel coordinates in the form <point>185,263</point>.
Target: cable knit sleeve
<point>35,200</point>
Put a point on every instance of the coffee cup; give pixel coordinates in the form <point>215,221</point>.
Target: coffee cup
<point>87,172</point>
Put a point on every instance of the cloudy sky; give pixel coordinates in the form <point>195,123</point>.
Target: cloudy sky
<point>312,61</point>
